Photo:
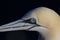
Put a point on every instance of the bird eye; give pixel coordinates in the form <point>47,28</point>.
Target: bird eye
<point>31,20</point>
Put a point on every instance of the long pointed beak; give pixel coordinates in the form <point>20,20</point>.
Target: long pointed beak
<point>16,25</point>
<point>19,25</point>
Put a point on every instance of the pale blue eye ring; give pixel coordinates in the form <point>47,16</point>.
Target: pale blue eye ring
<point>33,20</point>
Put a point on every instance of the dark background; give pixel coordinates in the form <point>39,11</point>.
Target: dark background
<point>16,9</point>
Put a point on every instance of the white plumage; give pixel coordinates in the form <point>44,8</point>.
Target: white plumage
<point>44,16</point>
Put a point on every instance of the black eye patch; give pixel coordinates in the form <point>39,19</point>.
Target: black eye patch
<point>31,20</point>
